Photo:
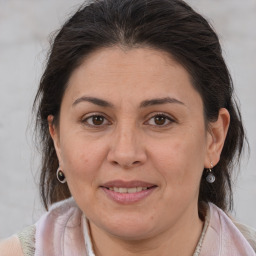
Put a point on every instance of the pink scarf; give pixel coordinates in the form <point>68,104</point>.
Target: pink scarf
<point>63,231</point>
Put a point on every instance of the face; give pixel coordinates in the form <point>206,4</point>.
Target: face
<point>132,141</point>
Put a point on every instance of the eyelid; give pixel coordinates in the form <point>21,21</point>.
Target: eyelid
<point>90,115</point>
<point>108,119</point>
<point>167,116</point>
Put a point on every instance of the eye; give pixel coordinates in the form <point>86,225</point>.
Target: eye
<point>160,120</point>
<point>96,120</point>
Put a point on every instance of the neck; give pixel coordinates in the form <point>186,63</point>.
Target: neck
<point>169,242</point>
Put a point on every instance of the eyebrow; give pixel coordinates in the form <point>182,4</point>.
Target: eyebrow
<point>96,101</point>
<point>145,103</point>
<point>159,101</point>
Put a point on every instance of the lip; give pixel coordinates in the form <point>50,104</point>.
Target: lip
<point>128,198</point>
<point>127,184</point>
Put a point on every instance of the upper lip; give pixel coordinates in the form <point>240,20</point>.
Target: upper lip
<point>127,184</point>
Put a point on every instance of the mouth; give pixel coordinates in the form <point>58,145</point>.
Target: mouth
<point>128,192</point>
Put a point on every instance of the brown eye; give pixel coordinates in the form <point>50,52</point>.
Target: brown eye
<point>96,120</point>
<point>160,120</point>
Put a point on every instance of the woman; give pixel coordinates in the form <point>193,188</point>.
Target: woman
<point>139,132</point>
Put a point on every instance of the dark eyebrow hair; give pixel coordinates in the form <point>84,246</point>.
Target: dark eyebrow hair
<point>93,100</point>
<point>145,103</point>
<point>152,102</point>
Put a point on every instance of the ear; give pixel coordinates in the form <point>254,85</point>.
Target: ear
<point>216,137</point>
<point>53,130</point>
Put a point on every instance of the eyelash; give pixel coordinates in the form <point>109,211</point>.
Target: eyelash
<point>155,115</point>
<point>167,118</point>
<point>85,120</point>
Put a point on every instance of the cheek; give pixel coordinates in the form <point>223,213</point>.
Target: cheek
<point>81,162</point>
<point>180,162</point>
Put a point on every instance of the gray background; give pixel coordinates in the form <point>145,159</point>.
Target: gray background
<point>24,29</point>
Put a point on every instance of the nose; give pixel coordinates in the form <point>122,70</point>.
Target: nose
<point>126,148</point>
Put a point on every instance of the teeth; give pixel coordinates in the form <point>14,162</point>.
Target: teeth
<point>139,189</point>
<point>132,190</point>
<point>123,190</point>
<point>128,190</point>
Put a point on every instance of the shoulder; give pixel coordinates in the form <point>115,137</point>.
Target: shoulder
<point>233,234</point>
<point>248,232</point>
<point>60,214</point>
<point>55,228</point>
<point>11,247</point>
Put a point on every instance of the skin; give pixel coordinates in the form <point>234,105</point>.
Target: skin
<point>131,144</point>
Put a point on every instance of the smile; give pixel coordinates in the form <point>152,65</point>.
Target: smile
<point>128,192</point>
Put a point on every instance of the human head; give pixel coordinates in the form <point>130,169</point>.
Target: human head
<point>168,25</point>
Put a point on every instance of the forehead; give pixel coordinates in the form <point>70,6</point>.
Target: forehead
<point>140,73</point>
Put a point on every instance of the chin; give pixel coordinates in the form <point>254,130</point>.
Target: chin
<point>130,229</point>
<point>131,234</point>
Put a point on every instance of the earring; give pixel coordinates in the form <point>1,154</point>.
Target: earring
<point>60,176</point>
<point>210,178</point>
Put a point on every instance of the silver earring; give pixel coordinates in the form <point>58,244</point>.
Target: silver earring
<point>60,176</point>
<point>210,178</point>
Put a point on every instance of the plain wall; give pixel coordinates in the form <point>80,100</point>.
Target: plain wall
<point>24,30</point>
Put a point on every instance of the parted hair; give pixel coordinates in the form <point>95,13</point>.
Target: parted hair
<point>167,25</point>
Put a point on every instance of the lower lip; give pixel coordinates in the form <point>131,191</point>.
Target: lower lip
<point>128,198</point>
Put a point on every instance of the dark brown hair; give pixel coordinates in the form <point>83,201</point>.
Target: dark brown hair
<point>168,25</point>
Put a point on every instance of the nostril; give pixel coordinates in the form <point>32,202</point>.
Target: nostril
<point>115,163</point>
<point>126,165</point>
<point>130,165</point>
